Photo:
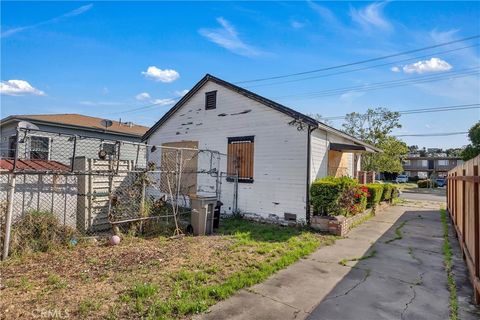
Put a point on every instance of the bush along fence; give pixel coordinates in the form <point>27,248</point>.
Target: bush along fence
<point>463,203</point>
<point>338,204</point>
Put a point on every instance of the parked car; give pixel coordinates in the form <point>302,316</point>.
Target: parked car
<point>441,182</point>
<point>401,178</point>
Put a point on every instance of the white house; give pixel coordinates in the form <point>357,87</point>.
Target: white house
<point>279,151</point>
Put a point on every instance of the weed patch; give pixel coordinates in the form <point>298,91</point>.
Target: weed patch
<point>372,254</point>
<point>447,253</point>
<point>398,233</point>
<point>153,278</point>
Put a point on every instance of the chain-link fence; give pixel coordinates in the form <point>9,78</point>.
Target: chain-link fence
<point>62,187</point>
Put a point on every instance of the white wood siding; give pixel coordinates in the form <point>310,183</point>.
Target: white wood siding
<point>320,142</point>
<point>319,155</point>
<point>280,156</point>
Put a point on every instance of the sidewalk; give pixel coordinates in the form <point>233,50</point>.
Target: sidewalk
<point>401,278</point>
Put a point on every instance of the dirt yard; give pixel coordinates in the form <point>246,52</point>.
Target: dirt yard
<point>154,278</point>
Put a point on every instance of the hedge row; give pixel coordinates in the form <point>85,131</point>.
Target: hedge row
<point>345,196</point>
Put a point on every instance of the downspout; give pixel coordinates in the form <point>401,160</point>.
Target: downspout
<point>307,190</point>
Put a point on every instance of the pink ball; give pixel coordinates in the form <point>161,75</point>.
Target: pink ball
<point>114,240</point>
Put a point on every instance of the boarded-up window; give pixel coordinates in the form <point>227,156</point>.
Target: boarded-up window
<point>240,159</point>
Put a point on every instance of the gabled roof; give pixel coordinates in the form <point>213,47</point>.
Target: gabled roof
<point>80,121</point>
<point>267,102</point>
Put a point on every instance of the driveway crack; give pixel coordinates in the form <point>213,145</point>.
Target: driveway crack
<point>419,282</point>
<point>276,300</point>
<point>367,274</point>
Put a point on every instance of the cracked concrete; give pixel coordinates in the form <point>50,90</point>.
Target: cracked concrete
<point>405,279</point>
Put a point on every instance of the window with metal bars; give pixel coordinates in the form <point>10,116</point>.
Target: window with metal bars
<point>240,159</point>
<point>39,148</point>
<point>210,100</point>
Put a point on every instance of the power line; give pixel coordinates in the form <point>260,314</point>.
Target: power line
<point>423,110</point>
<point>360,69</point>
<point>384,84</point>
<point>360,62</point>
<point>438,134</point>
<point>143,107</point>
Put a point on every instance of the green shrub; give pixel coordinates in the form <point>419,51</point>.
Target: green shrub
<point>337,196</point>
<point>395,192</point>
<point>324,196</point>
<point>427,183</point>
<point>375,191</point>
<point>387,191</point>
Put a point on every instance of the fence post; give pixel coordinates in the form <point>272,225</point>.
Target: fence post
<point>8,222</point>
<point>476,228</point>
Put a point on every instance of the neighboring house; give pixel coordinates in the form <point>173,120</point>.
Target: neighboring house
<point>276,151</point>
<point>431,166</point>
<point>53,140</point>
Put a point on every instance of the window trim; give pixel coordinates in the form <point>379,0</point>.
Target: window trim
<point>250,139</point>
<point>207,95</point>
<point>28,150</point>
<point>10,151</point>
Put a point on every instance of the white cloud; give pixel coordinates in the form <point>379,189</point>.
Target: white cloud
<point>69,14</point>
<point>181,93</point>
<point>325,13</point>
<point>371,16</point>
<point>142,96</point>
<point>396,69</point>
<point>350,96</point>
<point>295,24</point>
<point>166,76</point>
<point>227,37</point>
<point>18,88</point>
<point>425,66</point>
<point>163,102</point>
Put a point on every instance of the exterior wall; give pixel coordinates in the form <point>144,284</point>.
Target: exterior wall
<point>319,155</point>
<point>61,148</point>
<point>280,150</point>
<point>5,132</point>
<point>319,164</point>
<point>419,166</point>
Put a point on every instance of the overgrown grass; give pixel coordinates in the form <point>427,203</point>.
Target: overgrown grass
<point>154,278</point>
<point>195,290</point>
<point>447,253</point>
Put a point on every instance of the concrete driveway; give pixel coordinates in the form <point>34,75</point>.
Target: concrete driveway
<point>399,277</point>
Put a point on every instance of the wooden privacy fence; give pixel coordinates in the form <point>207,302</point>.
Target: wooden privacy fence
<point>463,206</point>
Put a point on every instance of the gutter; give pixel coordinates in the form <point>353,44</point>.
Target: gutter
<point>310,129</point>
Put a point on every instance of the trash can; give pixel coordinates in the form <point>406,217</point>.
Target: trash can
<point>216,215</point>
<point>202,214</point>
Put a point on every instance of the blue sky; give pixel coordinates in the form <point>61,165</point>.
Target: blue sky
<point>106,58</point>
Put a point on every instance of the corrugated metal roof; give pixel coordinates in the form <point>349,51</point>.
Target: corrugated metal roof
<point>34,165</point>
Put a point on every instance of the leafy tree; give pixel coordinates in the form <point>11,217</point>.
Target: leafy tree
<point>454,152</point>
<point>473,149</point>
<point>375,127</point>
<point>391,158</point>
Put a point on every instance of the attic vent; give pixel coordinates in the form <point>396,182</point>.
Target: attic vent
<point>210,100</point>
